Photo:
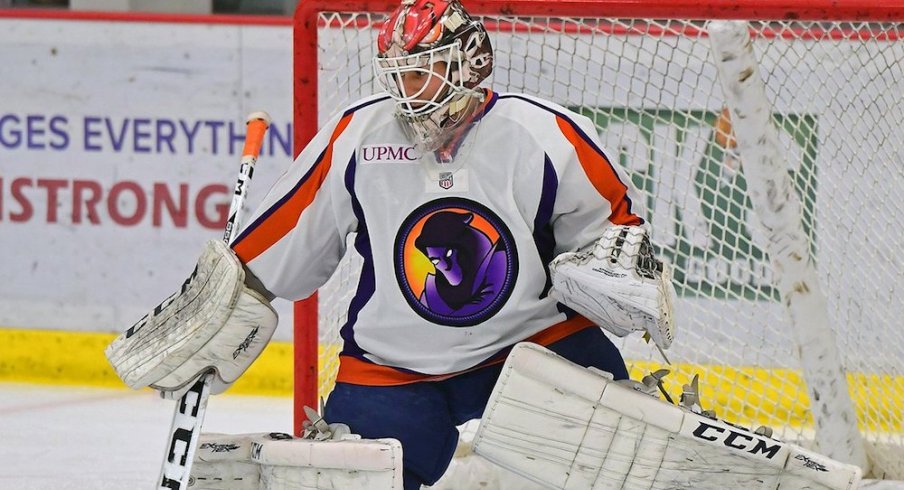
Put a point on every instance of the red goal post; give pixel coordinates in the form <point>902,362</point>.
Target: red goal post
<point>723,265</point>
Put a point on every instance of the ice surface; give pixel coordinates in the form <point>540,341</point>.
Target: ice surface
<point>58,438</point>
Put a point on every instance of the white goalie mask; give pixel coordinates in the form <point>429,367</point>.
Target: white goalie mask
<point>447,53</point>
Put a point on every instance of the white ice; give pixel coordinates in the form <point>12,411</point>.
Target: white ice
<point>58,438</point>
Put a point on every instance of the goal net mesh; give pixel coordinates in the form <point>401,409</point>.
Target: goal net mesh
<point>837,95</point>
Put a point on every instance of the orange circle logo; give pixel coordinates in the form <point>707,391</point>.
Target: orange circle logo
<point>455,262</point>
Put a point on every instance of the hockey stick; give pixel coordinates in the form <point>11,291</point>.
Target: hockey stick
<point>185,429</point>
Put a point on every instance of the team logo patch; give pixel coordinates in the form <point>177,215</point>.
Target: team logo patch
<point>389,154</point>
<point>455,262</point>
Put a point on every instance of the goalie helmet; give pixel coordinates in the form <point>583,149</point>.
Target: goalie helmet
<point>415,39</point>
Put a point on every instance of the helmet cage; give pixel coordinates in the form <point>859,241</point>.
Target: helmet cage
<point>389,71</point>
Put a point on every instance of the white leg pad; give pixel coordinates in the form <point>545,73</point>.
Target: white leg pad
<point>223,462</point>
<point>276,461</point>
<point>567,427</point>
<point>353,464</point>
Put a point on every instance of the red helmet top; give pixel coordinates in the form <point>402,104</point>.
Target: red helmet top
<point>415,22</point>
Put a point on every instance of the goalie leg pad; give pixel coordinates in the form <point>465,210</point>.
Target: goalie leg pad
<point>567,427</point>
<point>223,462</point>
<point>213,322</point>
<point>351,464</point>
<point>277,461</point>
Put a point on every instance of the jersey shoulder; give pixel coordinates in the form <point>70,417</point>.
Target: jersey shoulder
<point>363,117</point>
<point>549,123</point>
<point>380,103</point>
<point>522,105</point>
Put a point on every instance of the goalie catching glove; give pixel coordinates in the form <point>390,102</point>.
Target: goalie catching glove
<point>214,322</point>
<point>618,284</point>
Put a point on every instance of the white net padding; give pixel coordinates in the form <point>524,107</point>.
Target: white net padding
<point>837,92</point>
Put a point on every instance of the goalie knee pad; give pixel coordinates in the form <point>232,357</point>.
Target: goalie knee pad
<point>213,322</point>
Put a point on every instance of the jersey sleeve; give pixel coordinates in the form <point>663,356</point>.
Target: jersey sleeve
<point>593,192</point>
<point>296,237</point>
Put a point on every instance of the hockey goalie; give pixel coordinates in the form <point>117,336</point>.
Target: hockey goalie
<point>484,220</point>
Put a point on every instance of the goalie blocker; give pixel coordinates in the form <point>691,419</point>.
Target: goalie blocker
<point>568,427</point>
<point>214,322</point>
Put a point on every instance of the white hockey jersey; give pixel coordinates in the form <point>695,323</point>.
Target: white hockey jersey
<point>455,255</point>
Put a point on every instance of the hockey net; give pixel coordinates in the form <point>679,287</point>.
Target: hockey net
<point>647,76</point>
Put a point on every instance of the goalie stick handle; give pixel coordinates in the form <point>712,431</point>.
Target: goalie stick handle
<point>257,124</point>
<point>185,429</point>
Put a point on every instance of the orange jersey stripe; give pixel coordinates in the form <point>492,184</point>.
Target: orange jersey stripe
<point>560,330</point>
<point>281,221</point>
<point>601,174</point>
<point>355,371</point>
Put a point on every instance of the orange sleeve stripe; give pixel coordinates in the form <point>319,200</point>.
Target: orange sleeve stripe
<point>601,174</point>
<point>355,371</point>
<point>280,221</point>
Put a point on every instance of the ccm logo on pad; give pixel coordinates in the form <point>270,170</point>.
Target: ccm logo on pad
<point>737,439</point>
<point>389,154</point>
